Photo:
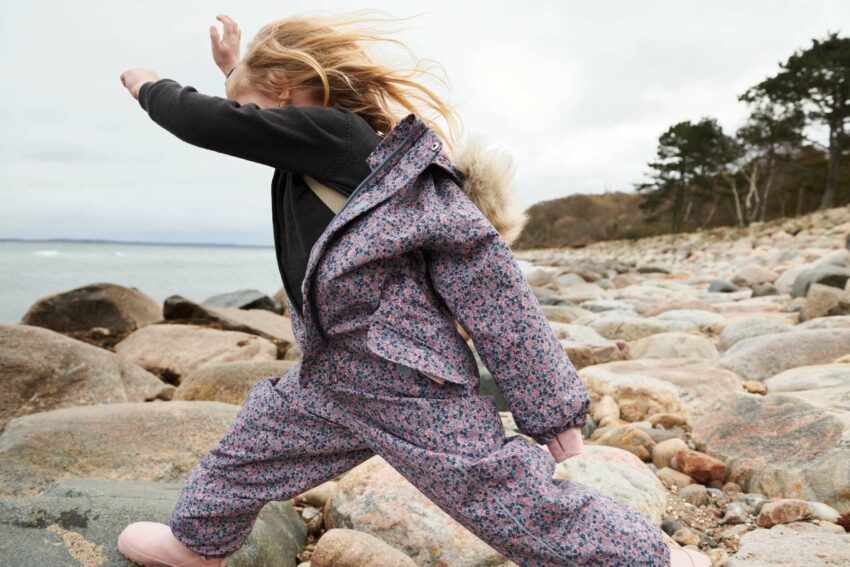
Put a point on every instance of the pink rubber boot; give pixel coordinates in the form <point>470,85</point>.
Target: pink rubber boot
<point>152,544</point>
<point>681,557</point>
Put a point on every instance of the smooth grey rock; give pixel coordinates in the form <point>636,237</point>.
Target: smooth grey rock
<point>77,521</point>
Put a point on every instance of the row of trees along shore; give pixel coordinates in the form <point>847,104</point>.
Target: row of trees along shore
<point>702,177</point>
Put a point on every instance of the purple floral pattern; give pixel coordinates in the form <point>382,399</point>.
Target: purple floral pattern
<point>446,439</point>
<point>408,253</point>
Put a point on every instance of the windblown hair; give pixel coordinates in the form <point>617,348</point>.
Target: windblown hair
<point>327,56</point>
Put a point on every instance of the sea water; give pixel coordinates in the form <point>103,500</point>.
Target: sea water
<point>30,270</point>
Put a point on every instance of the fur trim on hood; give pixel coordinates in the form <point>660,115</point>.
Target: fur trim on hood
<point>489,180</point>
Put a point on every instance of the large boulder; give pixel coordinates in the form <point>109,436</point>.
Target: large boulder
<point>760,357</point>
<point>780,446</point>
<point>77,521</point>
<point>159,441</point>
<point>178,350</point>
<point>117,308</point>
<point>374,498</point>
<point>43,370</point>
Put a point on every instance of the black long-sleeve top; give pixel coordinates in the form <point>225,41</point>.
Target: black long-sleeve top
<point>328,143</point>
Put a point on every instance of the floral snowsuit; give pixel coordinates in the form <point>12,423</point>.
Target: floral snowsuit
<point>379,298</point>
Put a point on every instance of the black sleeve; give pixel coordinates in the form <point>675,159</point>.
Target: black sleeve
<point>311,140</point>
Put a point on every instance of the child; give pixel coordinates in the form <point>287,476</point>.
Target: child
<point>308,101</point>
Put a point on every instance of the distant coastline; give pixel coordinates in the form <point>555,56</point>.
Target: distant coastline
<point>132,242</point>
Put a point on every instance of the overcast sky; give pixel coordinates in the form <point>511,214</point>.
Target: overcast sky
<point>577,92</point>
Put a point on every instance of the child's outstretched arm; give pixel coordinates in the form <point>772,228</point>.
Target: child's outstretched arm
<point>303,139</point>
<point>472,268</point>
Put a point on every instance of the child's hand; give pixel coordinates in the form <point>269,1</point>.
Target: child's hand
<point>133,79</point>
<point>226,50</point>
<point>566,444</point>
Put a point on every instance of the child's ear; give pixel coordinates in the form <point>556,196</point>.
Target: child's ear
<point>283,98</point>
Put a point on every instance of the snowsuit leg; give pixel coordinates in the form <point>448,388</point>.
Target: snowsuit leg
<point>446,439</point>
<point>449,442</point>
<point>273,450</point>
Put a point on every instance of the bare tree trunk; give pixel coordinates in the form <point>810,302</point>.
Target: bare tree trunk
<point>835,133</point>
<point>751,201</point>
<point>736,199</point>
<point>768,185</point>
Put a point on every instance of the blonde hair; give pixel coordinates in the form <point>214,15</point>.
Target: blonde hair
<point>319,54</point>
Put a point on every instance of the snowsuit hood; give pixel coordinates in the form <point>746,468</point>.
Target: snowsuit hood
<point>489,180</point>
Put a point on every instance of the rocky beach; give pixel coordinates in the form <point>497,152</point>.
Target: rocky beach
<point>718,364</point>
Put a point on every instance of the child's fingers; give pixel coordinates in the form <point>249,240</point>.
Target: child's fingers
<point>229,25</point>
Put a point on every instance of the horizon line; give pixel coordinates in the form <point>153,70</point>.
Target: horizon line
<point>133,242</point>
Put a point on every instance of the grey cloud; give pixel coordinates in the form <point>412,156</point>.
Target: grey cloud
<point>578,91</point>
